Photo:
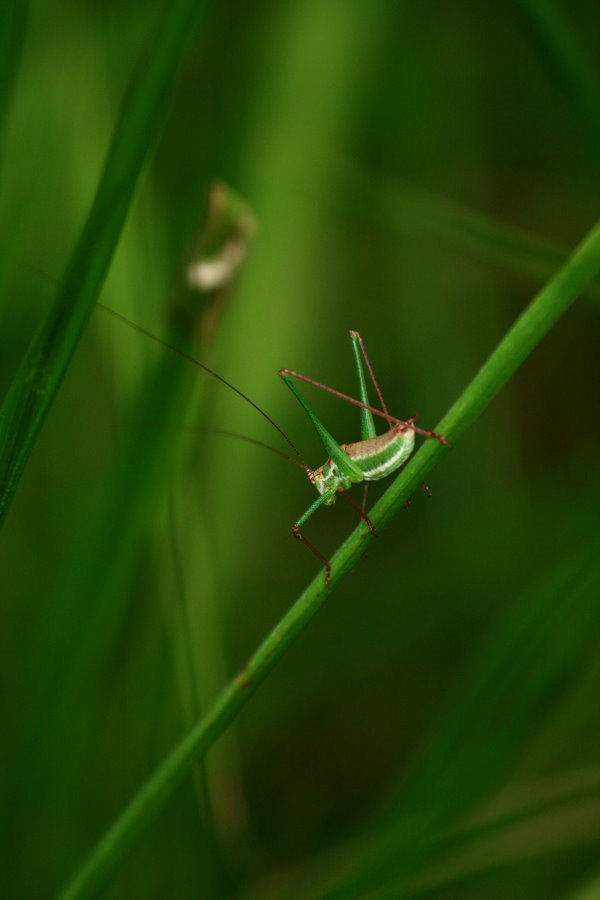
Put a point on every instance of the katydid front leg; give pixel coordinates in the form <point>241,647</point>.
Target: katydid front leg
<point>324,499</point>
<point>327,499</point>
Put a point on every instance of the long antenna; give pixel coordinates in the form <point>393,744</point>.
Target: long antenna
<point>222,432</point>
<point>153,337</point>
<point>196,362</point>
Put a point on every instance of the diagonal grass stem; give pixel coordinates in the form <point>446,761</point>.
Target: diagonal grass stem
<point>529,329</point>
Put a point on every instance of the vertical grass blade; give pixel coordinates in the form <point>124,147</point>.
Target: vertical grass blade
<point>12,35</point>
<point>407,209</point>
<point>552,28</point>
<point>534,323</point>
<point>70,639</point>
<point>45,363</point>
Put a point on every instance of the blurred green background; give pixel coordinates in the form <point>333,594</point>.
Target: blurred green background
<point>415,170</point>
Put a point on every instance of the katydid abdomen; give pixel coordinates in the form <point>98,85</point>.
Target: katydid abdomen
<point>375,458</point>
<point>380,456</point>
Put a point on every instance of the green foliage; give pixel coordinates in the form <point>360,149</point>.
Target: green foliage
<point>34,387</point>
<point>416,174</point>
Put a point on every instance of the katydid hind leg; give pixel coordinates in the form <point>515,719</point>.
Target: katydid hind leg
<point>358,343</point>
<point>359,510</point>
<point>365,497</point>
<point>367,424</point>
<point>338,455</point>
<point>287,374</point>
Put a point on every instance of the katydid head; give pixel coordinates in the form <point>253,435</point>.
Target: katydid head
<point>328,480</point>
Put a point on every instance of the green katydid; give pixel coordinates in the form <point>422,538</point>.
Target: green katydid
<point>372,458</point>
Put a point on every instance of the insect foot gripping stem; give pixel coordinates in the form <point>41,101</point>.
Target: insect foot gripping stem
<point>324,562</point>
<point>426,490</point>
<point>360,512</point>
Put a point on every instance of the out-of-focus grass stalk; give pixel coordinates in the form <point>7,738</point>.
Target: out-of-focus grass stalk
<point>46,361</point>
<point>103,557</point>
<point>408,209</point>
<point>567,55</point>
<point>529,329</point>
<point>589,891</point>
<point>542,639</point>
<point>555,812</point>
<point>12,35</point>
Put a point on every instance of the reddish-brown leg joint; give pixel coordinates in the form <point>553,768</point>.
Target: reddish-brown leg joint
<point>424,487</point>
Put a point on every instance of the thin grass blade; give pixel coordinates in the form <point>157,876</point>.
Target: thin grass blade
<point>407,209</point>
<point>552,29</point>
<point>15,14</point>
<point>42,370</point>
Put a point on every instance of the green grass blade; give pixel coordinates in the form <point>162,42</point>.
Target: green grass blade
<point>46,361</point>
<point>589,891</point>
<point>412,210</point>
<point>544,639</point>
<point>12,35</point>
<point>553,812</point>
<point>558,39</point>
<point>69,639</point>
<point>534,323</point>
